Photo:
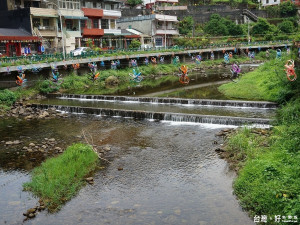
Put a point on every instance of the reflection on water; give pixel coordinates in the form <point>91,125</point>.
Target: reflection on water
<point>171,175</point>
<point>209,92</point>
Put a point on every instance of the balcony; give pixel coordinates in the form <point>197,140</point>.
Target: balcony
<point>161,31</point>
<point>112,31</point>
<point>111,13</point>
<point>92,32</point>
<point>70,33</point>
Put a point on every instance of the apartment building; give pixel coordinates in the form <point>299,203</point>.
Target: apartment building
<point>101,25</point>
<point>161,28</point>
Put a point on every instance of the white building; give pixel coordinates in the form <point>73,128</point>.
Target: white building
<point>161,28</point>
<point>265,3</point>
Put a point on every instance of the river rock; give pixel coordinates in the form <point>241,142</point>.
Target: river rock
<point>9,143</point>
<point>107,148</point>
<point>44,146</point>
<point>51,140</point>
<point>25,148</point>
<point>16,142</point>
<point>29,117</point>
<point>89,179</point>
<point>219,150</point>
<point>58,149</point>
<point>29,150</point>
<point>30,211</point>
<point>43,115</point>
<point>31,144</point>
<point>21,111</point>
<point>31,215</point>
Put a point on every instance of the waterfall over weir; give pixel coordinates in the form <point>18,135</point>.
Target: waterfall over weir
<point>160,116</point>
<point>204,102</point>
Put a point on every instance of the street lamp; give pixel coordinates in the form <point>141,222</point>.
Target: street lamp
<point>61,27</point>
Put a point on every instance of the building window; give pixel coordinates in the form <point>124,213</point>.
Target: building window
<point>112,24</point>
<point>104,24</point>
<point>69,25</point>
<point>94,4</point>
<point>89,24</point>
<point>46,22</point>
<point>267,1</point>
<point>95,23</point>
<point>36,22</point>
<point>82,24</point>
<point>107,7</point>
<point>158,42</point>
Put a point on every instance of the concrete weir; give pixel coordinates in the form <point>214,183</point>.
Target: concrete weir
<point>160,116</point>
<point>155,100</point>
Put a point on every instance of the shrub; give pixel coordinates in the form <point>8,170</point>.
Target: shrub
<point>7,97</point>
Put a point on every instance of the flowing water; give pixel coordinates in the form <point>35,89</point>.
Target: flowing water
<point>171,174</point>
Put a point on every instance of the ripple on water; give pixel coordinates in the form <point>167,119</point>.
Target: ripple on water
<point>171,175</point>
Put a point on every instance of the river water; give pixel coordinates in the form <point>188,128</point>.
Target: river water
<point>171,173</point>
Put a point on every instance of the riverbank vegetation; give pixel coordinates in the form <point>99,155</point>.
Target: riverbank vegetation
<point>58,179</point>
<point>268,163</point>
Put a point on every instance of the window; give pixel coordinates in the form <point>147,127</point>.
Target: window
<point>46,22</point>
<point>89,24</point>
<point>69,24</point>
<point>112,24</point>
<point>82,24</point>
<point>36,22</point>
<point>107,6</point>
<point>158,41</point>
<point>95,23</point>
<point>58,25</point>
<point>267,1</point>
<point>94,4</point>
<point>104,24</point>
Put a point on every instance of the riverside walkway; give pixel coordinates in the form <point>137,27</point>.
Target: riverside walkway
<point>184,52</point>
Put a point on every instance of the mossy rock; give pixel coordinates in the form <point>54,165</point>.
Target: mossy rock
<point>112,81</point>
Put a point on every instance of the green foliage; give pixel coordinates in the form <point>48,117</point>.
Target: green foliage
<point>58,179</point>
<point>7,97</point>
<point>186,25</point>
<point>268,82</point>
<point>133,3</point>
<point>262,27</point>
<point>286,26</point>
<point>218,25</point>
<point>47,86</point>
<point>287,9</point>
<point>135,44</point>
<point>273,11</point>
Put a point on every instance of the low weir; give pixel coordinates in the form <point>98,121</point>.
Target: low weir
<point>155,100</point>
<point>159,116</point>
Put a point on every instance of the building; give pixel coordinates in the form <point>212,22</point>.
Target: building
<point>101,25</point>
<point>151,3</point>
<point>265,3</point>
<point>161,28</point>
<point>17,42</point>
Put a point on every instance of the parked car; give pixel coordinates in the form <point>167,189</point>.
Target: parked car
<point>80,51</point>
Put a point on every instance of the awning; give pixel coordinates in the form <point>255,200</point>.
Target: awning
<point>132,36</point>
<point>76,17</point>
<point>20,38</point>
<point>39,15</point>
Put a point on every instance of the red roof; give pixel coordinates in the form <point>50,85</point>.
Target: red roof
<point>93,12</point>
<point>93,32</point>
<point>19,38</point>
<point>132,36</point>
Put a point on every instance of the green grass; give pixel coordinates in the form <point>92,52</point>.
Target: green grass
<point>269,170</point>
<point>58,179</point>
<point>268,82</point>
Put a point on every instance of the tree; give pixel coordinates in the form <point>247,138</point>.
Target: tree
<point>218,25</point>
<point>286,26</point>
<point>135,44</point>
<point>186,25</point>
<point>287,9</point>
<point>134,3</point>
<point>261,27</point>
